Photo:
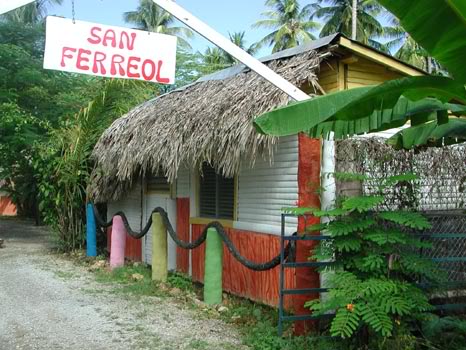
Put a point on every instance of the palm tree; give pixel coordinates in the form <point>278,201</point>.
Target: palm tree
<point>406,48</point>
<point>290,23</point>
<point>31,13</point>
<point>354,19</point>
<point>214,59</point>
<point>238,39</point>
<point>338,17</point>
<point>148,16</point>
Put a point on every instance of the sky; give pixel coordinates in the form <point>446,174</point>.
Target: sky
<point>224,16</point>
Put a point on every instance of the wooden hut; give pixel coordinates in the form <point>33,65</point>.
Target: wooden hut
<point>195,152</point>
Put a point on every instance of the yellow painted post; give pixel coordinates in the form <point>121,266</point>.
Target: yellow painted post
<point>159,249</point>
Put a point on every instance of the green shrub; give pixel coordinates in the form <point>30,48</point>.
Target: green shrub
<point>376,268</point>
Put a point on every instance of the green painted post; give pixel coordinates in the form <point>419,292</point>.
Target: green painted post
<point>159,249</point>
<point>213,268</point>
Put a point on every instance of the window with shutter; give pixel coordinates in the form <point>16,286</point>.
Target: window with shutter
<point>216,195</point>
<point>158,184</point>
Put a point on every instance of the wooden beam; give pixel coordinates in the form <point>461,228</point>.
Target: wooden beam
<point>349,59</point>
<point>10,5</point>
<point>380,58</point>
<point>216,38</point>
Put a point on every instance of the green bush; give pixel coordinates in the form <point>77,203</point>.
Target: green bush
<point>376,268</point>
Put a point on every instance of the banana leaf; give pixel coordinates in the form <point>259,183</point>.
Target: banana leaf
<point>439,26</point>
<point>367,109</point>
<point>302,116</point>
<point>430,134</point>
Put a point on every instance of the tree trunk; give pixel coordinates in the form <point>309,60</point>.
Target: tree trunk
<point>429,64</point>
<point>354,19</point>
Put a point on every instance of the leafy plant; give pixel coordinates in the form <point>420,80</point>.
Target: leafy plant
<point>423,100</point>
<point>64,165</point>
<point>375,266</point>
<point>445,332</point>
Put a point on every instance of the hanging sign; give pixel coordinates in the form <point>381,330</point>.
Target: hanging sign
<point>9,5</point>
<point>108,51</point>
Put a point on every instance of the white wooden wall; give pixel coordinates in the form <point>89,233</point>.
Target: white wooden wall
<point>183,183</point>
<point>151,201</point>
<point>130,205</point>
<point>266,188</point>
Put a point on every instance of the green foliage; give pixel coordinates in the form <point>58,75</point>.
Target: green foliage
<point>337,17</point>
<point>373,279</point>
<point>391,104</point>
<point>30,13</point>
<point>430,134</point>
<point>19,132</point>
<point>49,123</point>
<point>150,17</point>
<point>446,41</point>
<point>445,332</point>
<point>422,100</point>
<point>409,219</point>
<point>290,23</point>
<point>361,204</point>
<point>64,165</point>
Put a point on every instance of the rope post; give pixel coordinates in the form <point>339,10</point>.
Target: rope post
<point>91,232</point>
<point>213,268</point>
<point>159,249</point>
<point>118,244</point>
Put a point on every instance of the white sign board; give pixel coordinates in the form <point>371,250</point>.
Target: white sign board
<point>9,5</point>
<point>108,51</point>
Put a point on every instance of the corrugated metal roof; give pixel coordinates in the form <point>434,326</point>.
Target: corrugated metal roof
<point>236,69</point>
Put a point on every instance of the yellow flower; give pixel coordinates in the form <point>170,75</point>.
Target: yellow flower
<point>350,307</point>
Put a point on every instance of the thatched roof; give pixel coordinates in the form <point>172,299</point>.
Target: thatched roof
<point>207,121</point>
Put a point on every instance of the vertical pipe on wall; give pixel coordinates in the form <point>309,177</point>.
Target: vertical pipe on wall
<point>328,196</point>
<point>159,249</point>
<point>213,268</point>
<point>329,192</point>
<point>118,245</point>
<point>91,231</point>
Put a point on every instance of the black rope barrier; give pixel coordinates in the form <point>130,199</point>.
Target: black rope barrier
<point>288,254</point>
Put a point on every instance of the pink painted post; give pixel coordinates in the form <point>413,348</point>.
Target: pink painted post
<point>117,249</point>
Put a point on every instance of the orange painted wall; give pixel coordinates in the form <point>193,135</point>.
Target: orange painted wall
<point>7,208</point>
<point>308,183</point>
<point>133,249</point>
<point>260,286</point>
<point>182,228</point>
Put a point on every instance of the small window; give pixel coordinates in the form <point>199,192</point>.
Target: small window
<point>216,194</point>
<point>158,184</point>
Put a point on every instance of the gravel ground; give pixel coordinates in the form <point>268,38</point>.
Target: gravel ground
<point>47,302</point>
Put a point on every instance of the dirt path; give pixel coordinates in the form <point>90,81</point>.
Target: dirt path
<point>47,302</point>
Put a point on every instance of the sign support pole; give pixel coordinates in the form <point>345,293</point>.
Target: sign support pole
<point>10,5</point>
<point>216,38</point>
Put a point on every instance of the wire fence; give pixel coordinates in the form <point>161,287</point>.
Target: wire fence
<point>448,236</point>
<point>441,183</point>
<point>439,192</point>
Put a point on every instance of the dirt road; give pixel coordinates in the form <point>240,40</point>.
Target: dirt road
<point>47,302</point>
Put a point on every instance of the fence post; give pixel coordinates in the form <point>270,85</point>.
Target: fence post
<point>159,249</point>
<point>91,231</point>
<point>118,243</point>
<point>213,268</point>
